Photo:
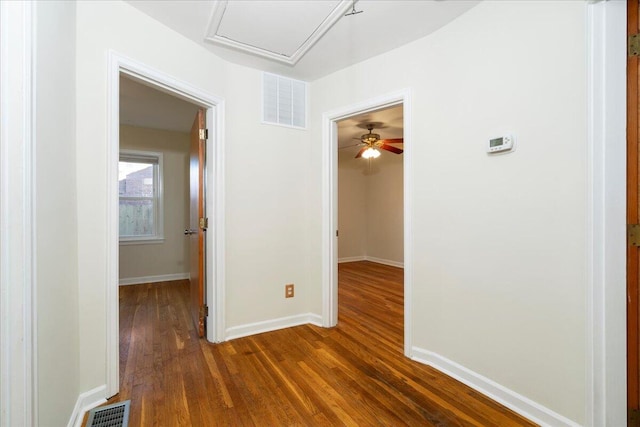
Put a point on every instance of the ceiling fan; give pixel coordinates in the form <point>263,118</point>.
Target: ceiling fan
<point>371,142</point>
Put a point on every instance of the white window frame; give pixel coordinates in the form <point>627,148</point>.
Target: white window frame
<point>158,171</point>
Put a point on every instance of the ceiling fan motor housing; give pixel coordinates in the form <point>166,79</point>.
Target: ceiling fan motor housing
<point>370,138</point>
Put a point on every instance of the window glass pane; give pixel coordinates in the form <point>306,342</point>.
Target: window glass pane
<point>140,190</point>
<point>136,217</point>
<point>135,179</point>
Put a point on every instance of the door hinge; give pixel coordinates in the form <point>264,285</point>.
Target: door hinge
<point>337,234</point>
<point>633,417</point>
<point>204,223</point>
<point>633,234</point>
<point>633,45</point>
<point>204,133</point>
<point>204,311</point>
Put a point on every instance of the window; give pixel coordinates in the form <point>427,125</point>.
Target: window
<point>140,189</point>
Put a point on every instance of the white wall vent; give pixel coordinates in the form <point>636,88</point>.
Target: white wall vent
<point>284,101</point>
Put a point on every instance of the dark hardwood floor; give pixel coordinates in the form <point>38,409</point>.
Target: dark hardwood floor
<point>353,374</point>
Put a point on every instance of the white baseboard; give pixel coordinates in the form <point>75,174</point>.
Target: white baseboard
<point>87,401</point>
<point>152,279</point>
<point>371,259</point>
<point>509,398</point>
<point>385,261</point>
<point>352,259</point>
<point>272,325</point>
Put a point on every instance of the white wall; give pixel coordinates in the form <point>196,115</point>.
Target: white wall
<point>56,217</point>
<point>370,207</point>
<point>520,323</point>
<point>265,189</point>
<point>170,257</point>
<point>499,243</point>
<point>385,238</point>
<point>352,206</point>
<point>265,208</point>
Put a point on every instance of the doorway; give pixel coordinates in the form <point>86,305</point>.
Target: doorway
<point>370,221</point>
<point>370,190</point>
<point>214,191</point>
<point>161,191</point>
<point>330,204</point>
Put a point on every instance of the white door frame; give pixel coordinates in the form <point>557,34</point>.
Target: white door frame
<point>18,311</point>
<point>330,205</point>
<point>606,390</point>
<point>214,198</point>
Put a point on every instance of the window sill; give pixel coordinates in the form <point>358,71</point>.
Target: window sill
<point>143,241</point>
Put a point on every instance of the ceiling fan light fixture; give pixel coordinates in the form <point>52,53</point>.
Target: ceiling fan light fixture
<point>371,153</point>
<point>371,142</point>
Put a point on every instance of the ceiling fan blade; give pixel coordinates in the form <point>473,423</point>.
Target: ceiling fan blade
<point>349,146</point>
<point>391,148</point>
<point>393,141</point>
<point>361,151</point>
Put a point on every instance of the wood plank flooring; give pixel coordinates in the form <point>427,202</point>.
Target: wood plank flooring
<point>354,374</point>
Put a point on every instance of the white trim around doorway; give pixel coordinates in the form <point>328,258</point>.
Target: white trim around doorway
<point>606,390</point>
<point>330,205</point>
<point>214,198</point>
<point>18,278</point>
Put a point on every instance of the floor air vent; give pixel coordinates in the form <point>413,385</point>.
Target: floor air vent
<point>116,415</point>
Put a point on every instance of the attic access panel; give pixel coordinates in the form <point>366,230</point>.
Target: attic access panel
<point>280,30</point>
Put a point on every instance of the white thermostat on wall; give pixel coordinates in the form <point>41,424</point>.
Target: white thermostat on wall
<point>500,144</point>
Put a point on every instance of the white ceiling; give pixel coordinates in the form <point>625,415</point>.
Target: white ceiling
<point>263,37</point>
<point>309,16</point>
<point>280,26</point>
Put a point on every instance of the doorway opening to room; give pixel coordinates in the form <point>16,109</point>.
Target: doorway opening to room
<point>164,211</point>
<point>161,190</point>
<point>370,223</point>
<point>366,221</point>
<point>161,232</point>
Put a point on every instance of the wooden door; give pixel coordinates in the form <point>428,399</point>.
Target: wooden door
<point>633,217</point>
<point>196,227</point>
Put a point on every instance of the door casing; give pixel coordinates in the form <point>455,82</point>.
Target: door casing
<point>606,214</point>
<point>214,198</point>
<point>330,204</point>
